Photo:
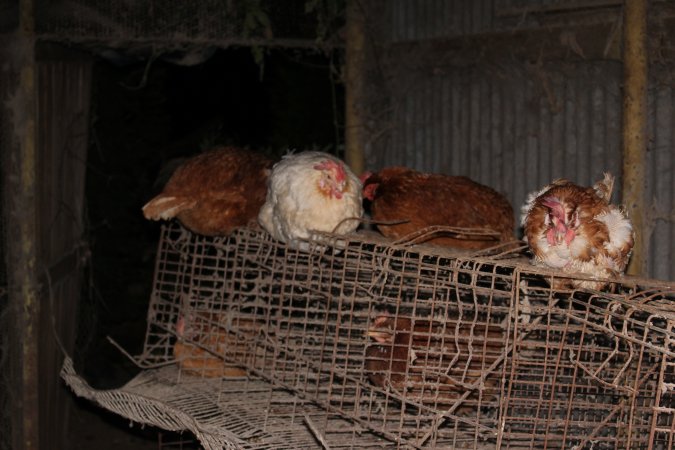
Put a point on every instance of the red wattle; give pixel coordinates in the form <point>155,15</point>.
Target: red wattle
<point>569,236</point>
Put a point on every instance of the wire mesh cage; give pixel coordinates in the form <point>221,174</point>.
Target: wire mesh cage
<point>420,346</point>
<point>169,26</point>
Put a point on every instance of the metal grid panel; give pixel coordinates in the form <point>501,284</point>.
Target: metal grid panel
<point>248,414</point>
<point>484,354</point>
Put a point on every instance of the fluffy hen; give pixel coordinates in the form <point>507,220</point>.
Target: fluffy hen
<point>420,200</point>
<point>576,229</point>
<point>311,192</point>
<point>214,192</point>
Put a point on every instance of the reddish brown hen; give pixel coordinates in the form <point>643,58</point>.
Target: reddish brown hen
<point>421,200</point>
<point>576,229</point>
<point>436,363</point>
<point>214,192</point>
<point>206,338</point>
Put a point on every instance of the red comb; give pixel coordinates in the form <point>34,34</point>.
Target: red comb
<point>364,176</point>
<point>329,164</point>
<point>555,206</point>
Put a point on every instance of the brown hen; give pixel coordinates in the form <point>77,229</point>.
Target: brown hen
<point>576,230</point>
<point>207,337</point>
<point>214,192</point>
<point>419,200</point>
<point>435,363</point>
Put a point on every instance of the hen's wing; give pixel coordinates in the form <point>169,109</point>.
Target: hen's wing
<point>166,207</point>
<point>422,200</point>
<point>603,188</point>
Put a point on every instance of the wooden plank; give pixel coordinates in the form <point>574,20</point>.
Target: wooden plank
<point>22,224</point>
<point>355,87</point>
<point>635,125</point>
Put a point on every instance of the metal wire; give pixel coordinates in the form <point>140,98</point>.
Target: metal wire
<point>418,345</point>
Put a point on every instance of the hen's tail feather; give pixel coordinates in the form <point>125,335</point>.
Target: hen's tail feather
<point>604,187</point>
<point>166,207</point>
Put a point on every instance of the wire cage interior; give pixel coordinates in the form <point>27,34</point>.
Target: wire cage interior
<point>416,346</point>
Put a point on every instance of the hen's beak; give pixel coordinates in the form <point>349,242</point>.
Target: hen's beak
<point>338,189</point>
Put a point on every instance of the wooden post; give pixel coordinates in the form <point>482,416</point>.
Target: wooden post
<point>22,230</point>
<point>635,124</point>
<point>355,87</point>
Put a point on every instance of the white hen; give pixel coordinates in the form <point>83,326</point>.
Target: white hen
<point>311,192</point>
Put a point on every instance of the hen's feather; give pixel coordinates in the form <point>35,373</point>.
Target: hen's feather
<point>214,192</point>
<point>296,206</point>
<point>166,207</point>
<point>434,361</point>
<point>205,338</point>
<point>601,237</point>
<point>421,200</point>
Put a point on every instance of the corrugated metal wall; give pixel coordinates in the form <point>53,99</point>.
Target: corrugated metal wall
<point>412,20</point>
<point>516,125</point>
<point>506,129</point>
<point>9,351</point>
<point>425,19</point>
<point>660,172</point>
<point>64,89</point>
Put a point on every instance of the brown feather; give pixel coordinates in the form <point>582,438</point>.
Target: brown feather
<point>208,330</point>
<point>423,200</point>
<point>593,248</point>
<point>214,192</point>
<point>434,362</point>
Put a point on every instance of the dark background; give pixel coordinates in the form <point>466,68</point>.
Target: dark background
<point>142,129</point>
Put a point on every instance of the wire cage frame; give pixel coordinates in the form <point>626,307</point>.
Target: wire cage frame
<point>417,345</point>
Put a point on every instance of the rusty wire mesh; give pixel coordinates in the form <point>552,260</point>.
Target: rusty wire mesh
<point>420,346</point>
<point>233,413</point>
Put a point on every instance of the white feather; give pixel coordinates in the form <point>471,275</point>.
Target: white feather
<point>294,209</point>
<point>620,229</point>
<point>529,203</point>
